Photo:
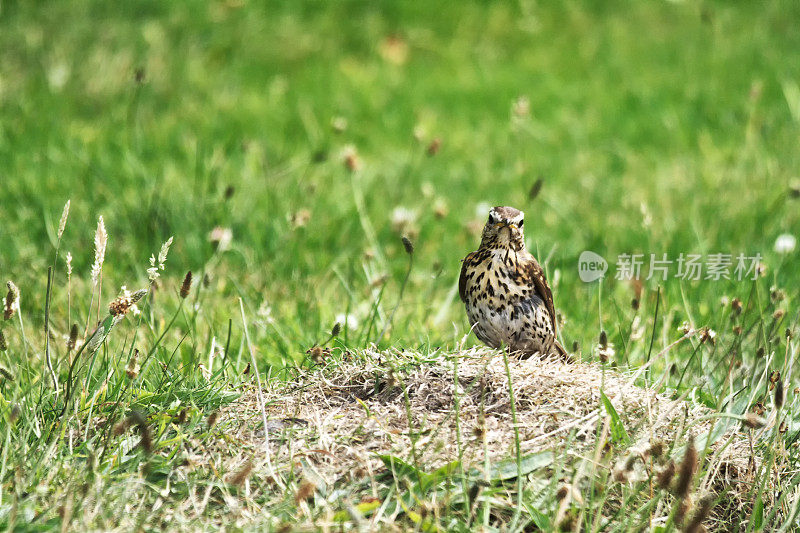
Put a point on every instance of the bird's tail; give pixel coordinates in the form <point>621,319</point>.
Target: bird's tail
<point>561,352</point>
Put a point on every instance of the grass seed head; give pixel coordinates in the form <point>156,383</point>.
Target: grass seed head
<point>736,306</point>
<point>121,427</point>
<point>664,477</point>
<point>73,338</point>
<point>408,245</point>
<point>5,374</point>
<point>317,354</point>
<point>14,413</point>
<point>753,421</point>
<point>779,394</point>
<point>3,344</point>
<point>158,264</point>
<point>100,242</point>
<point>62,224</point>
<point>535,189</point>
<point>132,370</point>
<point>794,189</point>
<point>305,491</point>
<point>12,300</point>
<point>480,428</point>
<point>146,441</point>
<point>187,285</point>
<point>687,470</point>
<point>350,158</point>
<point>337,328</point>
<point>434,147</point>
<point>708,335</point>
<point>656,449</point>
<point>440,209</point>
<point>776,294</point>
<point>242,475</point>
<point>701,510</point>
<point>121,305</point>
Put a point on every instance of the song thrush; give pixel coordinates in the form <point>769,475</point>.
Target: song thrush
<point>508,300</point>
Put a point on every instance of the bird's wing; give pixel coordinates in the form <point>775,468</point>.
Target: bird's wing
<point>462,279</point>
<point>536,274</point>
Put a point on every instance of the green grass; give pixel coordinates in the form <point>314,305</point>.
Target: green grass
<point>656,127</point>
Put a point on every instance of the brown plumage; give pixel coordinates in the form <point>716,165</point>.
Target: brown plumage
<point>508,300</point>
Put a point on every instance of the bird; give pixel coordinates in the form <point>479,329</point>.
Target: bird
<point>504,289</point>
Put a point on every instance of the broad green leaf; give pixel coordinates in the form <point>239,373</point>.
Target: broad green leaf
<point>758,515</point>
<point>425,524</point>
<point>364,508</point>
<point>618,432</point>
<point>541,520</point>
<point>505,470</point>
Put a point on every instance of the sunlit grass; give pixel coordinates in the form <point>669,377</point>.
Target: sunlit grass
<point>288,148</point>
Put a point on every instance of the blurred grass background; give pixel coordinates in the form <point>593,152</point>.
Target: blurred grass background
<point>319,133</point>
<point>656,128</point>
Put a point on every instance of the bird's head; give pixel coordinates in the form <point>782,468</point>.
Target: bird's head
<point>504,229</point>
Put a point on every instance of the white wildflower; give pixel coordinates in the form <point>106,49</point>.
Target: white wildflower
<point>349,320</point>
<point>521,107</point>
<point>403,219</point>
<point>264,312</point>
<point>339,124</point>
<point>58,76</point>
<point>785,244</point>
<point>647,216</point>
<point>482,210</point>
<point>221,238</point>
<point>637,329</point>
<point>604,353</point>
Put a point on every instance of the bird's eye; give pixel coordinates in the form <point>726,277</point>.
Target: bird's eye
<point>491,219</point>
<point>521,222</point>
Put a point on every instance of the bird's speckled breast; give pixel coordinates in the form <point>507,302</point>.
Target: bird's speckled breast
<point>493,296</point>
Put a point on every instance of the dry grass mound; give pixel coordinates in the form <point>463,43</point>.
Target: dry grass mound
<point>334,423</point>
